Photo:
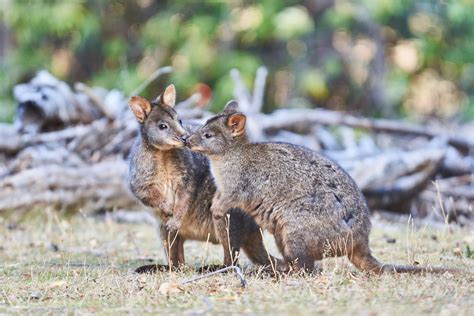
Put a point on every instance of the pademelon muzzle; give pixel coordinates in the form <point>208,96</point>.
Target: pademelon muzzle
<point>183,139</point>
<point>190,142</point>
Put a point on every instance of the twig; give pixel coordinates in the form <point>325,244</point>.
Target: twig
<point>259,89</point>
<point>237,270</point>
<point>189,102</point>
<point>206,250</point>
<point>272,264</point>
<point>240,91</point>
<point>231,252</point>
<point>95,99</point>
<point>458,192</point>
<point>170,245</point>
<point>246,105</point>
<point>152,77</point>
<point>16,143</point>
<point>441,204</point>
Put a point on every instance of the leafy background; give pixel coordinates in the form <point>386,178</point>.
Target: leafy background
<point>373,57</point>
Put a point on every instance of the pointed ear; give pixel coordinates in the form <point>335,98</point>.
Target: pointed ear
<point>236,123</point>
<point>230,107</point>
<point>140,107</point>
<point>169,96</point>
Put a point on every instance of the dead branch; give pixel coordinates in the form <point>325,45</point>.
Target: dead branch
<point>248,104</point>
<point>240,91</point>
<point>150,79</point>
<point>95,99</point>
<point>93,187</point>
<point>288,119</point>
<point>259,89</point>
<point>237,270</point>
<point>46,103</point>
<point>69,150</point>
<point>391,180</point>
<point>13,143</point>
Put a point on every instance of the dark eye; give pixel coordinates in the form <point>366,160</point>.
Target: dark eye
<point>207,135</point>
<point>180,122</point>
<point>162,126</point>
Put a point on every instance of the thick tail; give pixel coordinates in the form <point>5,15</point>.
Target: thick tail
<point>390,268</point>
<point>364,261</point>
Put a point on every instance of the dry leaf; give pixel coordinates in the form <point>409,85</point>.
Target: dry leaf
<point>57,284</point>
<point>169,288</point>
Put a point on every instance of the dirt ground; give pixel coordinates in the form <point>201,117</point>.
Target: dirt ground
<point>57,264</point>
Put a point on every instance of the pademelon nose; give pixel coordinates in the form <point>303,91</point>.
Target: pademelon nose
<point>187,141</point>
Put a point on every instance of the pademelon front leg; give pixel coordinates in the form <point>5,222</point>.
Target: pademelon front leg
<point>173,244</point>
<point>180,209</point>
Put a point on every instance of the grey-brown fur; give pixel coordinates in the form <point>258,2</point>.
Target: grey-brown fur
<point>312,207</point>
<point>176,183</point>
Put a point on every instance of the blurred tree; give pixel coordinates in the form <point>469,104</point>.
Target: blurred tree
<point>370,56</point>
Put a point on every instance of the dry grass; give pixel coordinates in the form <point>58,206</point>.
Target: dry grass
<point>83,265</point>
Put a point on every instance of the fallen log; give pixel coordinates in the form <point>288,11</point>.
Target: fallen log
<point>457,187</point>
<point>289,119</point>
<point>47,103</point>
<point>444,207</point>
<point>392,180</point>
<point>93,187</point>
<point>82,164</point>
<point>12,141</point>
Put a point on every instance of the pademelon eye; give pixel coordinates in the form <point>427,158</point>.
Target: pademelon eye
<point>207,135</point>
<point>162,126</point>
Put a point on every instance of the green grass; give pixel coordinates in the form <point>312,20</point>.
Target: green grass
<point>90,272</point>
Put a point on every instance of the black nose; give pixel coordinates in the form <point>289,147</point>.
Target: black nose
<point>183,139</point>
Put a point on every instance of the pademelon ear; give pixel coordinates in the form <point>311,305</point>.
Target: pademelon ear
<point>169,96</point>
<point>236,123</point>
<point>140,107</point>
<point>231,106</point>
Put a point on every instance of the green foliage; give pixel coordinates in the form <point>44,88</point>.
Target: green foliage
<point>327,55</point>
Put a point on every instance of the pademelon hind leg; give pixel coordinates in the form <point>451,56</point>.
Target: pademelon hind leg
<point>362,258</point>
<point>295,253</point>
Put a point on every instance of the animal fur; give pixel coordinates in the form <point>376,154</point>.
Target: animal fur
<point>310,204</point>
<point>176,183</point>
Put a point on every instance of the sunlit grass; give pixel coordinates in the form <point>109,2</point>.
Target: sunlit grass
<point>53,264</point>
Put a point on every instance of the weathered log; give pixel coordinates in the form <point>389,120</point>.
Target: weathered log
<point>82,165</point>
<point>12,142</point>
<point>455,164</point>
<point>251,105</point>
<point>109,109</point>
<point>10,138</point>
<point>445,207</point>
<point>289,119</point>
<point>391,180</point>
<point>46,103</point>
<point>457,187</point>
<point>42,155</point>
<point>308,141</point>
<point>93,187</point>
